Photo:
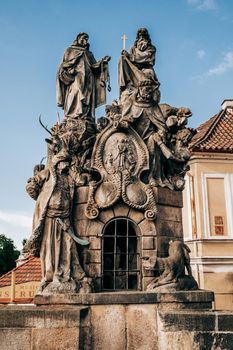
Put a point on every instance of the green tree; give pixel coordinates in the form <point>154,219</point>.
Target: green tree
<point>8,254</point>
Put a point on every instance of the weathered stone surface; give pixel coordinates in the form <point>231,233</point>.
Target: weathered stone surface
<point>136,215</point>
<point>29,317</point>
<point>213,340</point>
<point>121,210</point>
<point>168,197</point>
<point>117,321</point>
<point>93,256</point>
<point>147,228</point>
<point>105,298</point>
<point>169,213</point>
<point>148,253</point>
<point>162,246</point>
<point>169,228</point>
<point>141,327</point>
<point>182,340</point>
<point>106,215</point>
<point>55,338</point>
<point>98,284</point>
<point>148,243</point>
<point>81,227</point>
<point>81,194</point>
<point>23,327</point>
<point>79,212</point>
<point>95,243</point>
<point>192,296</point>
<point>15,339</point>
<point>187,320</point>
<point>225,322</point>
<point>108,327</point>
<point>84,331</point>
<point>94,228</point>
<point>146,279</point>
<point>94,270</point>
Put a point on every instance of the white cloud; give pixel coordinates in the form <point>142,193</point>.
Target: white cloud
<point>224,66</point>
<point>220,69</point>
<point>203,5</point>
<point>201,54</point>
<point>18,219</point>
<point>15,225</point>
<point>207,5</point>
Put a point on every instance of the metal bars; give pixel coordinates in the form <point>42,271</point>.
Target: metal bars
<point>120,256</point>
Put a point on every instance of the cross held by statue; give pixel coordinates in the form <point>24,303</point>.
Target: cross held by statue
<point>124,38</point>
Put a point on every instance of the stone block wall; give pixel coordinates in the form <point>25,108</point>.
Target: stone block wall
<point>118,321</point>
<point>154,235</point>
<point>137,326</point>
<point>40,328</point>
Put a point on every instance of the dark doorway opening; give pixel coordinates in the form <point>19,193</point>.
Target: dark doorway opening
<point>120,256</point>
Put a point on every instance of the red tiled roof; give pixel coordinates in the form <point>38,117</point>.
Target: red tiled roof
<point>215,135</point>
<point>30,271</point>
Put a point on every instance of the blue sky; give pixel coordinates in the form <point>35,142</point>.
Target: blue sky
<point>194,65</point>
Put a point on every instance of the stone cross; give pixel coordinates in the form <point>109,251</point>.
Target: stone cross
<point>124,38</point>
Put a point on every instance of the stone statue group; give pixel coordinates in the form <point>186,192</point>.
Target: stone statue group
<point>138,145</point>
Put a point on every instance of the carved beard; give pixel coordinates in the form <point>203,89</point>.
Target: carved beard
<point>145,96</point>
<point>142,44</point>
<point>81,43</point>
<point>84,45</point>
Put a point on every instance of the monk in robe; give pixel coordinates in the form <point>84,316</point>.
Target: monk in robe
<point>81,81</point>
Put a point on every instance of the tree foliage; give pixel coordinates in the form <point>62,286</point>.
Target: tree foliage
<point>8,254</point>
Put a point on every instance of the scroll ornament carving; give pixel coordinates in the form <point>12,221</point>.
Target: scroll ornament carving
<point>120,156</point>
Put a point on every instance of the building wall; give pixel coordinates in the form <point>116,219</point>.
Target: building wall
<point>208,223</point>
<point>23,292</point>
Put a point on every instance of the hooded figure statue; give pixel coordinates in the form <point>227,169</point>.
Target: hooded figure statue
<point>81,81</point>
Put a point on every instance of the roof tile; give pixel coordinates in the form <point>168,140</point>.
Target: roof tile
<point>215,135</point>
<point>27,272</point>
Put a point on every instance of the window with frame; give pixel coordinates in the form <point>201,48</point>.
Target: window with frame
<point>120,256</point>
<point>219,225</point>
<point>217,206</point>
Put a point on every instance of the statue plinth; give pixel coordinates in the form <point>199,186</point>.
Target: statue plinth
<point>179,300</point>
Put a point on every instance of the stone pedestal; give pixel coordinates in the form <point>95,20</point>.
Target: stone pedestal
<point>154,235</point>
<point>117,321</point>
<point>40,328</point>
<point>196,300</point>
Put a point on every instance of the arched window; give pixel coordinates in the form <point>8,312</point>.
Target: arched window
<point>120,256</point>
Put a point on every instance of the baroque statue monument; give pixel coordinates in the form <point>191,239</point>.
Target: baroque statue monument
<point>122,162</point>
<point>107,227</point>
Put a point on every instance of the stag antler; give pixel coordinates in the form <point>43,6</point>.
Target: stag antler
<point>43,126</point>
<point>41,162</point>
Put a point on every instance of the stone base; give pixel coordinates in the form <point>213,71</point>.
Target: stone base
<point>40,328</point>
<point>197,300</point>
<point>117,321</point>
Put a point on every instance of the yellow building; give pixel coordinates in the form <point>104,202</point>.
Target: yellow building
<point>208,206</point>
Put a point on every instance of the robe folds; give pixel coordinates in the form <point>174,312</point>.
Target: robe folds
<point>81,82</point>
<point>136,67</point>
<point>57,250</point>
